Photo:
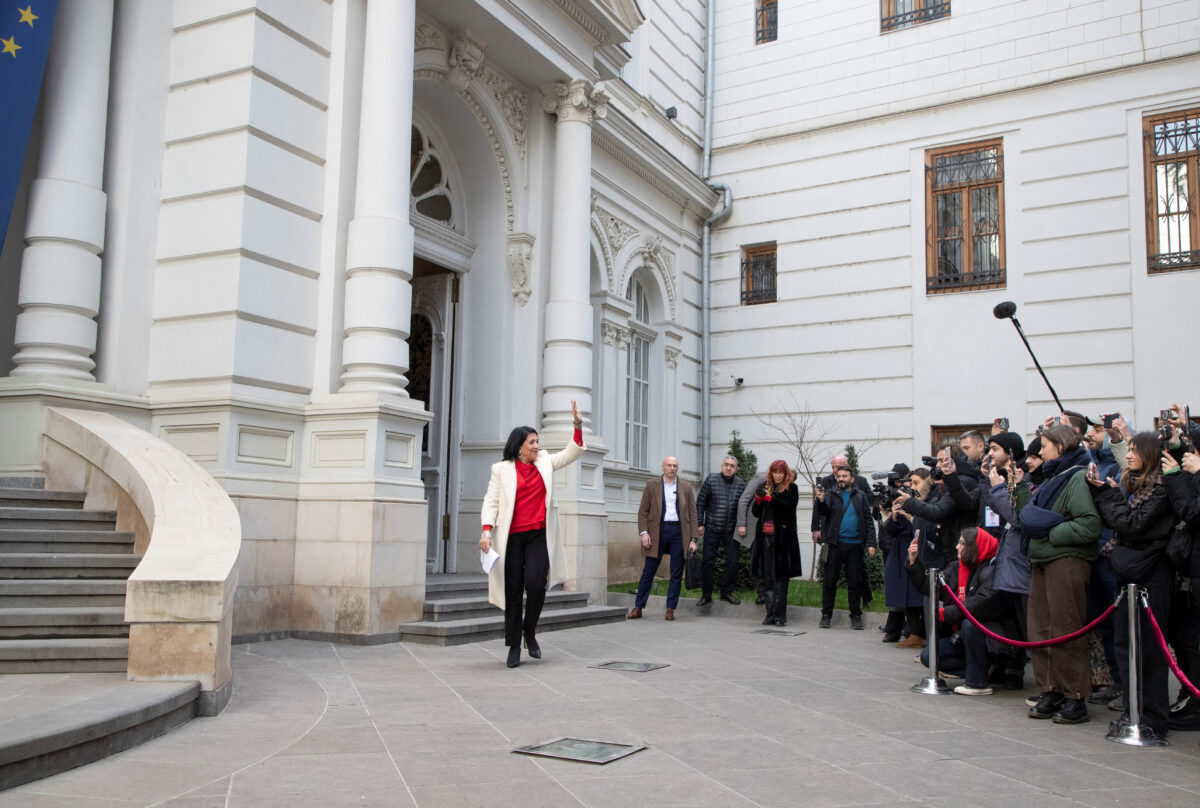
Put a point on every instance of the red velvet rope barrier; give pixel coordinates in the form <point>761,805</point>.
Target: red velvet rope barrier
<point>1162,646</point>
<point>1039,643</point>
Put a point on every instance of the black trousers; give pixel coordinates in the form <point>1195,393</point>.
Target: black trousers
<point>849,556</point>
<point>526,566</point>
<point>713,543</point>
<point>1153,667</point>
<point>1184,630</point>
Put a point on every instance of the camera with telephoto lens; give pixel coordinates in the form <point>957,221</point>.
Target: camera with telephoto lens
<point>884,494</point>
<point>935,473</point>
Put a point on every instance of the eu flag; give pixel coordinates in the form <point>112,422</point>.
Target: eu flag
<point>25,27</point>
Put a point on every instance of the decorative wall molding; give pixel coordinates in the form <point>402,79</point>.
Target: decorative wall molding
<point>514,105</point>
<point>520,265</point>
<point>430,37</point>
<point>618,232</point>
<point>465,60</point>
<point>672,356</point>
<point>583,20</point>
<point>497,150</point>
<point>624,335</point>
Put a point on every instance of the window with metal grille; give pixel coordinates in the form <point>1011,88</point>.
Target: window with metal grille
<point>758,274</point>
<point>766,25</point>
<point>1172,144</point>
<point>895,14</point>
<point>964,217</point>
<point>637,397</point>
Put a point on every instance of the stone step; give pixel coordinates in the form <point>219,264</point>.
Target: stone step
<point>85,718</point>
<point>56,519</point>
<point>467,608</point>
<point>460,632</point>
<point>67,565</point>
<point>38,498</point>
<point>65,541</point>
<point>72,655</point>
<point>30,592</point>
<point>47,622</point>
<point>454,586</point>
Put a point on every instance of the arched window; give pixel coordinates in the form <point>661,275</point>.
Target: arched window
<point>637,402</point>
<point>431,192</point>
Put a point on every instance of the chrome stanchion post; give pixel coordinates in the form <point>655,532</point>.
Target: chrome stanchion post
<point>1134,733</point>
<point>932,684</point>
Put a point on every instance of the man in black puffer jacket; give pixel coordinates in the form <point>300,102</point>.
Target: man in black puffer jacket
<point>950,513</point>
<point>717,513</point>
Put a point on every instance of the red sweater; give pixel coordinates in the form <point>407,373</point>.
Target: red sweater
<point>529,510</point>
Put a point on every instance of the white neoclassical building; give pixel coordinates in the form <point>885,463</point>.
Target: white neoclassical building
<point>334,250</point>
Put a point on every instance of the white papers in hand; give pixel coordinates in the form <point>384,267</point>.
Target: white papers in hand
<point>488,560</point>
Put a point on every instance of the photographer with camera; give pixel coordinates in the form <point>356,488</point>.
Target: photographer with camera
<point>829,482</point>
<point>1182,478</point>
<point>1142,518</point>
<point>895,534</point>
<point>1062,524</point>
<point>941,509</point>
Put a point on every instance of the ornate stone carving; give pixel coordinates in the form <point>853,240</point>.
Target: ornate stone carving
<point>430,37</point>
<point>514,105</point>
<point>498,151</point>
<point>616,231</point>
<point>624,335</point>
<point>577,100</point>
<point>672,357</point>
<point>608,333</point>
<point>655,252</point>
<point>465,59</point>
<point>520,261</point>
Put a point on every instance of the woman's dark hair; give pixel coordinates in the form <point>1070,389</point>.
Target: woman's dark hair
<point>970,553</point>
<point>1146,446</point>
<point>516,438</point>
<point>1063,436</point>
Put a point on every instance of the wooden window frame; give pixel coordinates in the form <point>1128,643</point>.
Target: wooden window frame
<point>949,434</point>
<point>891,19</point>
<point>1175,261</point>
<point>755,264</point>
<point>766,21</point>
<point>967,279</point>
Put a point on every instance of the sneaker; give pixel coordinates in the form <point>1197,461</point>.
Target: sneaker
<point>825,621</point>
<point>911,641</point>
<point>1072,711</point>
<point>856,622</point>
<point>1104,695</point>
<point>1048,705</point>
<point>967,690</point>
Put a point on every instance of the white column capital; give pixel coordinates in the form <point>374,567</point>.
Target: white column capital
<point>578,101</point>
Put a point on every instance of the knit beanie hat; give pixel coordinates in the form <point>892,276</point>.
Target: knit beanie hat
<point>1010,442</point>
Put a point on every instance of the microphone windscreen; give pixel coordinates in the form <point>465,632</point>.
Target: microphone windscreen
<point>1004,310</point>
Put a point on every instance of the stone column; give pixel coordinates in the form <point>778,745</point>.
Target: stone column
<point>568,349</point>
<point>64,233</point>
<point>380,240</point>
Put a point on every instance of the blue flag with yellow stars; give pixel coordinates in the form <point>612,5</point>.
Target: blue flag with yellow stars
<point>25,27</point>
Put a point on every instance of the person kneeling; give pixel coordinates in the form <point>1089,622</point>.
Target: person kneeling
<point>962,647</point>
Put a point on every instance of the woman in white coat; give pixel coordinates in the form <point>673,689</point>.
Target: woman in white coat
<point>515,511</point>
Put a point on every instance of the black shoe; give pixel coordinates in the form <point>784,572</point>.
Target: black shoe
<point>759,601</point>
<point>705,600</point>
<point>531,645</point>
<point>1072,711</point>
<point>1104,695</point>
<point>1014,680</point>
<point>1184,715</point>
<point>514,656</point>
<point>768,621</point>
<point>1047,705</point>
<point>781,621</point>
<point>824,622</point>
<point>891,638</point>
<point>856,622</point>
<point>731,599</point>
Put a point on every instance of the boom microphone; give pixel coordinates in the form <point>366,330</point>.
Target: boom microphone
<point>1007,311</point>
<point>1004,310</point>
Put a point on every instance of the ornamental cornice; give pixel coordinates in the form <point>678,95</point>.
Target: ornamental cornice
<point>578,100</point>
<point>583,20</point>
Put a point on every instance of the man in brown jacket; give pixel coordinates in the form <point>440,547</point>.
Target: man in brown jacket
<point>667,514</point>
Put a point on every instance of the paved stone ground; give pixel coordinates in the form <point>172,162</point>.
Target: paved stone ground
<point>738,719</point>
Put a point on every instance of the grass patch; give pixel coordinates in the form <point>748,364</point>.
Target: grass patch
<point>800,593</point>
